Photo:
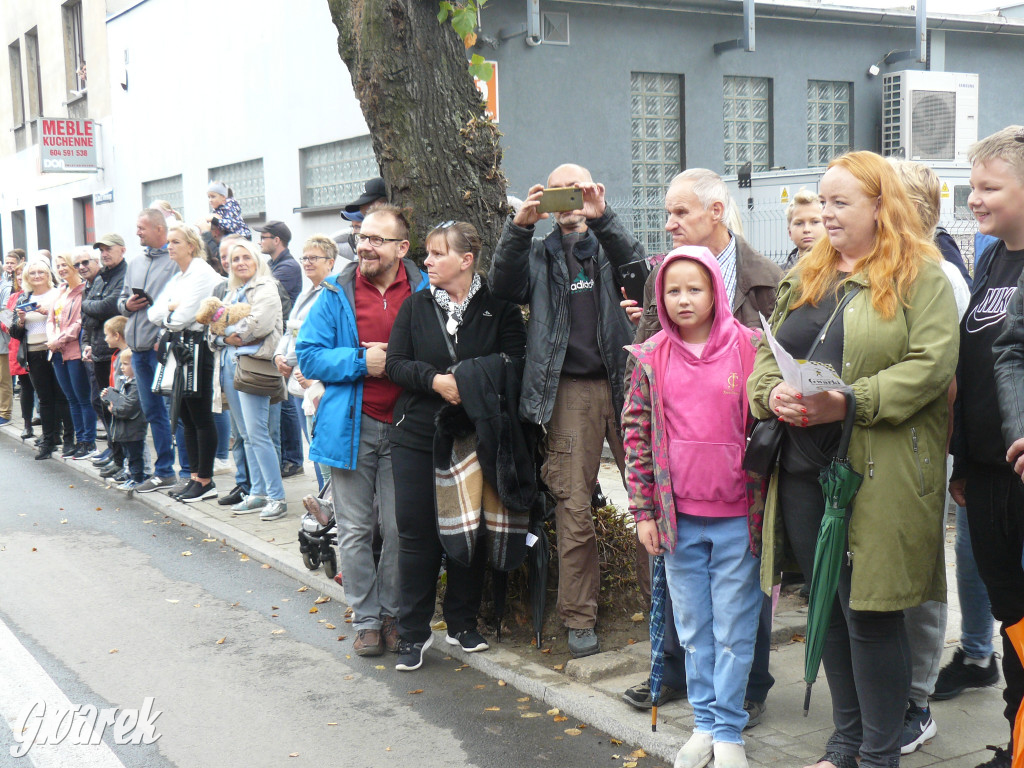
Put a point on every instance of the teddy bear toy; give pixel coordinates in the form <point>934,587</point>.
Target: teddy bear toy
<point>220,316</point>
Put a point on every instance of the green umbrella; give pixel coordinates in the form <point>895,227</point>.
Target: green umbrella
<point>840,484</point>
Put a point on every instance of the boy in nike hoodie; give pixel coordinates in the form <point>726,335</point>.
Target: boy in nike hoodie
<point>684,426</point>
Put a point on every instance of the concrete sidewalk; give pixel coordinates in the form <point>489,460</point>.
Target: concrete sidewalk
<point>589,690</point>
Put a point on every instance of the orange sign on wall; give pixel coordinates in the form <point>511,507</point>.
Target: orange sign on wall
<point>489,89</point>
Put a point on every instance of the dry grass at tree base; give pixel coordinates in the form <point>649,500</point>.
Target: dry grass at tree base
<point>620,598</point>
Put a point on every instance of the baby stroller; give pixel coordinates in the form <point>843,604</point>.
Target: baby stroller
<point>318,533</point>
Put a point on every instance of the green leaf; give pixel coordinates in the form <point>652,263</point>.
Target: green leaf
<point>446,8</point>
<point>480,68</point>
<point>464,22</point>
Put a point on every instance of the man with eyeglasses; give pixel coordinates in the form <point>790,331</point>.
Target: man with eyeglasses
<point>285,429</point>
<point>99,304</point>
<point>343,344</point>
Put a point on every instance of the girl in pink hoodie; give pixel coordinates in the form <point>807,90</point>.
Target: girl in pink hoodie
<point>684,425</point>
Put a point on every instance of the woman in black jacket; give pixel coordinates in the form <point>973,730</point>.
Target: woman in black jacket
<point>457,319</point>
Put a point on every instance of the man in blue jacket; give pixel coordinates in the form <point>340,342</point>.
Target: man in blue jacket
<point>343,344</point>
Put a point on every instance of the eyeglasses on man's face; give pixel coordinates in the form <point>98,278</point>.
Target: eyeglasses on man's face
<point>376,240</point>
<point>80,264</point>
<point>312,259</point>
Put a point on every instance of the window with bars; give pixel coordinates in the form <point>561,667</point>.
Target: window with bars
<point>169,189</point>
<point>246,182</point>
<point>829,120</point>
<point>656,131</point>
<point>74,48</point>
<point>35,74</point>
<point>333,174</point>
<point>747,121</point>
<point>17,87</point>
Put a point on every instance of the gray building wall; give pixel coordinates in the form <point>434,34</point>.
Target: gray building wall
<point>572,103</point>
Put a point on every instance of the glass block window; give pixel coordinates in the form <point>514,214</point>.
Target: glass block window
<point>829,120</point>
<point>333,174</point>
<point>245,179</point>
<point>169,189</point>
<point>656,129</point>
<point>747,118</point>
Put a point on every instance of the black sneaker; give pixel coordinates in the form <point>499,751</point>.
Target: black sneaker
<point>236,495</point>
<point>197,492</point>
<point>1001,759</point>
<point>410,655</point>
<point>84,451</point>
<point>957,676</point>
<point>918,728</point>
<point>470,641</point>
<point>69,451</point>
<point>288,469</point>
<point>44,451</point>
<point>111,470</point>
<point>122,477</point>
<point>183,484</point>
<point>755,711</point>
<point>639,695</point>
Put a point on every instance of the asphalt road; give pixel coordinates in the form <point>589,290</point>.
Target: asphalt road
<point>103,603</point>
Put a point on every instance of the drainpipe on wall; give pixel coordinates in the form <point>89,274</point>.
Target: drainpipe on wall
<point>533,23</point>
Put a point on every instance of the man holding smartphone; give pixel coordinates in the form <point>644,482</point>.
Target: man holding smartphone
<point>149,273</point>
<point>575,362</point>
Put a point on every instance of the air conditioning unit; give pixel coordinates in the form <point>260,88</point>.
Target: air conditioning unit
<point>929,115</point>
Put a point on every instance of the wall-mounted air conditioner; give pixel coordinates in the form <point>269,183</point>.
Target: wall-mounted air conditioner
<point>929,115</point>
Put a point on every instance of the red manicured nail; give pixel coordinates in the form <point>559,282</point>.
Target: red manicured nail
<point>803,410</point>
<point>799,397</point>
<point>778,410</point>
<point>805,422</point>
<point>781,419</point>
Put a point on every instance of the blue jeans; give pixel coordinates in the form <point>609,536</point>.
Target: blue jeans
<point>238,454</point>
<point>144,362</point>
<point>323,472</point>
<point>975,610</point>
<point>275,429</point>
<point>291,432</point>
<point>74,382</point>
<point>223,422</point>
<point>264,467</point>
<point>716,597</point>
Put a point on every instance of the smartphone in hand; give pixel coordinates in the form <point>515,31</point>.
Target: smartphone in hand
<point>559,199</point>
<point>633,277</point>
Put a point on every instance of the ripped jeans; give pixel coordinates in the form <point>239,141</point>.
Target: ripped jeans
<point>714,585</point>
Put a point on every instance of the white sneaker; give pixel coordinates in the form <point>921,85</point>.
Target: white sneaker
<point>222,466</point>
<point>728,755</point>
<point>249,505</point>
<point>695,753</point>
<point>275,509</point>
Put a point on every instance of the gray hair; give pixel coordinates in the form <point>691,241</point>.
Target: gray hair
<point>86,250</point>
<point>708,187</point>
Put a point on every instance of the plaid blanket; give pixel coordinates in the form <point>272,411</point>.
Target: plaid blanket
<point>469,508</point>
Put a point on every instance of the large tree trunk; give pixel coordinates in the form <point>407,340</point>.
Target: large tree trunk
<point>439,155</point>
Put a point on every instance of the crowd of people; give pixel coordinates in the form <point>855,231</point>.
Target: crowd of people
<point>436,413</point>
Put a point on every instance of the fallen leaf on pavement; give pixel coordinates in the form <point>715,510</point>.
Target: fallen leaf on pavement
<point>797,639</point>
<point>630,764</point>
<point>209,540</point>
<point>146,522</point>
<point>573,731</point>
<point>221,641</point>
<point>265,565</point>
<point>560,718</point>
<point>502,683</point>
<point>530,714</point>
<point>243,558</point>
<point>274,608</point>
<point>479,687</point>
<point>616,742</point>
<point>348,677</point>
<point>293,754</point>
<point>332,723</point>
<point>22,514</point>
<point>558,667</point>
<point>64,521</point>
<point>554,711</point>
<point>631,641</point>
<point>638,617</point>
<point>342,637</point>
<point>170,601</point>
<point>322,599</point>
<point>330,626</point>
<point>277,632</point>
<point>418,690</point>
<point>380,666</point>
<point>524,698</point>
<point>523,706</point>
<point>637,754</point>
<point>303,588</point>
<point>492,709</point>
<point>545,650</point>
<point>186,553</point>
<point>113,650</point>
<point>314,609</point>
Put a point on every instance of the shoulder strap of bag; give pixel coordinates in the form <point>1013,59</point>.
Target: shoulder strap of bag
<point>444,332</point>
<point>820,336</point>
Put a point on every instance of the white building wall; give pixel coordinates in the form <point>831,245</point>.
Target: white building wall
<point>209,84</point>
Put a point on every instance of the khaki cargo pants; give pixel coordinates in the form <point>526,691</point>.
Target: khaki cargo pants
<point>583,419</point>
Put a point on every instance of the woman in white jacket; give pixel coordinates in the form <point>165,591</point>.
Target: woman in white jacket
<point>175,310</point>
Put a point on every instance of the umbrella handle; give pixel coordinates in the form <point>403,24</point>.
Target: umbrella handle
<point>807,699</point>
<point>654,719</point>
<point>851,414</point>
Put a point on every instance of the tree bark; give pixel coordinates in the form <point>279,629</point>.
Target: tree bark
<point>439,156</point>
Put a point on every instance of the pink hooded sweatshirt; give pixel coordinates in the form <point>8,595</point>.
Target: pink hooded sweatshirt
<point>684,421</point>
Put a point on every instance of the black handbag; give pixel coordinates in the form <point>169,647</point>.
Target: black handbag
<point>765,439</point>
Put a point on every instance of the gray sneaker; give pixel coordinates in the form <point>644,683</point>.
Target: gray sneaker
<point>583,642</point>
<point>154,484</point>
<point>249,505</point>
<point>179,487</point>
<point>274,510</point>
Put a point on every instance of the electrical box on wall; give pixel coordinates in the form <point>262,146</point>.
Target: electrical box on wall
<point>929,115</point>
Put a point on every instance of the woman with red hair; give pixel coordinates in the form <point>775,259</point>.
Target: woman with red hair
<point>894,342</point>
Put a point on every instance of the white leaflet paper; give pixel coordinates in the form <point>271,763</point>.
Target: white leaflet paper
<point>807,377</point>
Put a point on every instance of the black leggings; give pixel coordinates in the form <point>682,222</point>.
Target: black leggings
<point>54,410</point>
<point>419,554</point>
<point>27,398</point>
<point>197,418</point>
<point>866,656</point>
<point>995,515</point>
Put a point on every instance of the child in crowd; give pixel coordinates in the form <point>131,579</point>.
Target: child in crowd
<point>113,333</point>
<point>689,493</point>
<point>129,424</point>
<point>227,213</point>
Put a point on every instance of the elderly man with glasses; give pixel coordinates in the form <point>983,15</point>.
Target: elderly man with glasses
<point>343,344</point>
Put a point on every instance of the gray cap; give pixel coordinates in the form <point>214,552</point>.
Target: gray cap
<point>109,239</point>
